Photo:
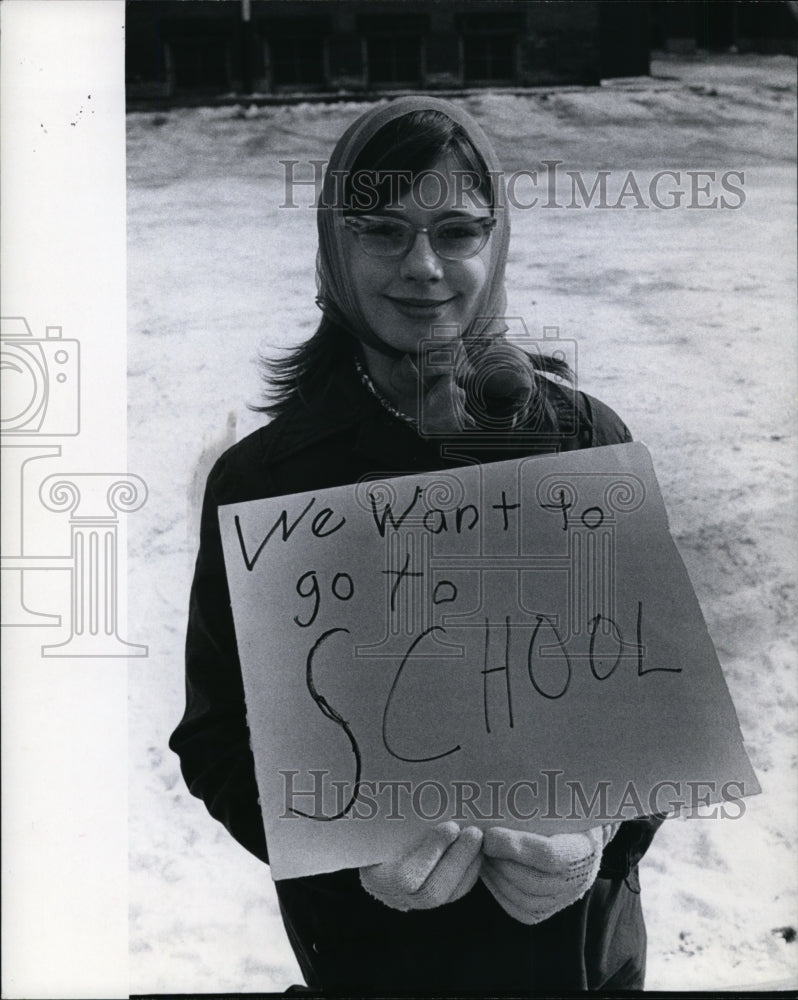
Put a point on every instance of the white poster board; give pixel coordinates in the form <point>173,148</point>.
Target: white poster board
<point>513,644</point>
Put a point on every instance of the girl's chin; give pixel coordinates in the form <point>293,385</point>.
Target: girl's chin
<point>413,336</point>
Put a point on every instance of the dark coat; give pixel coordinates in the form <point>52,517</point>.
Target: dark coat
<point>342,937</point>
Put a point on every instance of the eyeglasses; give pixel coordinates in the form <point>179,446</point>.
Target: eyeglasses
<point>451,239</point>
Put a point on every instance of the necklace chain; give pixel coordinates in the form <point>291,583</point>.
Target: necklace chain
<point>386,404</point>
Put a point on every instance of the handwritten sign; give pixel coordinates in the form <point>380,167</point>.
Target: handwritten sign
<point>512,644</point>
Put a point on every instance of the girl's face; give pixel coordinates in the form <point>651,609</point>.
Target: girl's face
<point>403,298</point>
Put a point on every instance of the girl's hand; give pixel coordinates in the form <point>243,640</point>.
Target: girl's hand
<point>440,868</point>
<point>533,877</point>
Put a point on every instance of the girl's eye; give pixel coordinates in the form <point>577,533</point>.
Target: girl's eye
<point>387,229</point>
<point>460,231</point>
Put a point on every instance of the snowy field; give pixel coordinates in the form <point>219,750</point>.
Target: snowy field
<point>686,324</point>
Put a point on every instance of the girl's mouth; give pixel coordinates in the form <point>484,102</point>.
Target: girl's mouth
<point>418,307</point>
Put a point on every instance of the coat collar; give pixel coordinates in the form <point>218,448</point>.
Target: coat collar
<point>347,407</point>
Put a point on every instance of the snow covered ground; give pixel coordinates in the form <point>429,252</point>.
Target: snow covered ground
<point>685,322</point>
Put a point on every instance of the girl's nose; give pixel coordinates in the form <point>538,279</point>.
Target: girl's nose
<point>421,263</point>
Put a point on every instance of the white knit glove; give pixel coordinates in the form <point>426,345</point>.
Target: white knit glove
<point>533,877</point>
<point>440,868</point>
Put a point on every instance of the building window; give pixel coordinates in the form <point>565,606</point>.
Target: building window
<point>200,63</point>
<point>394,60</point>
<point>490,47</point>
<point>489,58</point>
<point>394,49</point>
<point>296,48</point>
<point>298,60</point>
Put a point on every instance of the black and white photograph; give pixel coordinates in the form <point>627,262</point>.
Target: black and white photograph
<point>399,528</point>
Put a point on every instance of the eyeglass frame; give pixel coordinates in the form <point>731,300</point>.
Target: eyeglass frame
<point>487,223</point>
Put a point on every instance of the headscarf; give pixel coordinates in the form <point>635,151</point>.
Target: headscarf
<point>335,291</point>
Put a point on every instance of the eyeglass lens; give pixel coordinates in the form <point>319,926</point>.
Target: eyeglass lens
<point>455,239</point>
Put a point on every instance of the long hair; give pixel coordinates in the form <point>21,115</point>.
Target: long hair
<point>302,374</point>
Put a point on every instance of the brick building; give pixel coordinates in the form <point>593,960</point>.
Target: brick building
<point>190,47</point>
<point>193,50</point>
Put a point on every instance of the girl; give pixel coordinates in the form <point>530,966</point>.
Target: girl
<point>409,371</point>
